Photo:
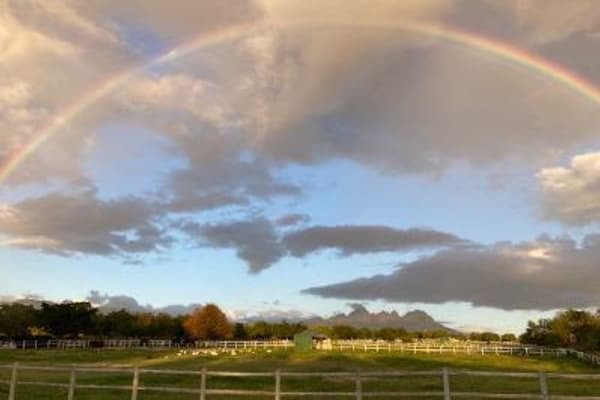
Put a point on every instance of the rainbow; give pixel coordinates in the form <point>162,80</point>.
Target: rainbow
<point>99,92</point>
<point>467,39</point>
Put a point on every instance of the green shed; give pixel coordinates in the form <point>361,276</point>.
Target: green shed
<point>303,341</point>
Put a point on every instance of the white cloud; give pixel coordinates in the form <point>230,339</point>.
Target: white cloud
<point>572,194</point>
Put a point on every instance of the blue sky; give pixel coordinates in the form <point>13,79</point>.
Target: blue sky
<point>293,171</point>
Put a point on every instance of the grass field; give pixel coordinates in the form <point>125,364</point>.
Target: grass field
<point>288,361</point>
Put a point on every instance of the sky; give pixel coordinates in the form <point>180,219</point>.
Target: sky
<point>290,158</point>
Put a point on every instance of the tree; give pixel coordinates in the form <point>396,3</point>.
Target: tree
<point>540,333</point>
<point>344,332</point>
<point>16,320</point>
<point>490,337</point>
<point>260,330</point>
<point>240,332</point>
<point>68,319</point>
<point>285,330</point>
<point>208,323</point>
<point>119,324</point>
<point>508,337</point>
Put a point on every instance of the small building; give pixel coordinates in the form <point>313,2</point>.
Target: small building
<point>304,340</point>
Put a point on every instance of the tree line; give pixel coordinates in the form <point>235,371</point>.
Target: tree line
<point>82,320</point>
<point>78,320</point>
<point>346,332</point>
<point>578,329</point>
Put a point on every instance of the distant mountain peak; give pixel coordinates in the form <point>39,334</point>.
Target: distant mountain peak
<point>360,317</point>
<point>357,309</point>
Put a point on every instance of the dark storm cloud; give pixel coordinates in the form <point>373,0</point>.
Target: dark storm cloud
<point>260,245</point>
<point>219,176</point>
<point>292,220</point>
<point>542,275</point>
<point>420,105</point>
<point>351,239</point>
<point>194,201</point>
<point>255,241</point>
<point>83,223</point>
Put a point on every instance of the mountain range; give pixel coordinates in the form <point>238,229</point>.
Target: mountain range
<point>360,317</point>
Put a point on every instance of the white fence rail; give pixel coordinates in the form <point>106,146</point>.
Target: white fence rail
<point>246,344</point>
<point>513,349</point>
<point>277,392</point>
<point>139,343</point>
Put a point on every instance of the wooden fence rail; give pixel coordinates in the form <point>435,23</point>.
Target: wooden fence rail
<point>203,390</point>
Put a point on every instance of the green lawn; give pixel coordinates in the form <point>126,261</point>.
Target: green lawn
<point>288,361</point>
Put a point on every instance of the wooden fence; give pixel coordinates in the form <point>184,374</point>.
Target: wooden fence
<point>203,389</point>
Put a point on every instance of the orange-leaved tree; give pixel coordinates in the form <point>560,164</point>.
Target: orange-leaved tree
<point>208,323</point>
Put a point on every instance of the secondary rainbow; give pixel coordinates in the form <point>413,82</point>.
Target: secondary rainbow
<point>467,39</point>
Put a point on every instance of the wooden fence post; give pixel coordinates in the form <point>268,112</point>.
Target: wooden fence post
<point>544,386</point>
<point>277,385</point>
<point>446,380</point>
<point>13,382</point>
<point>135,384</point>
<point>71,395</point>
<point>358,386</point>
<point>203,385</point>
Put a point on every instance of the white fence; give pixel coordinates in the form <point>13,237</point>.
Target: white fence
<point>139,343</point>
<point>512,349</point>
<point>245,344</point>
<point>276,391</point>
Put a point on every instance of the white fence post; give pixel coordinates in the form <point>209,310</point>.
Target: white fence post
<point>203,385</point>
<point>71,395</point>
<point>544,386</point>
<point>277,385</point>
<point>446,380</point>
<point>135,384</point>
<point>13,382</point>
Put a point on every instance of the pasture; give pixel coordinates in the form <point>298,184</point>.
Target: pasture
<point>287,361</point>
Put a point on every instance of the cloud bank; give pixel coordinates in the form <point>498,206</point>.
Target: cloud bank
<point>546,274</point>
<point>350,240</point>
